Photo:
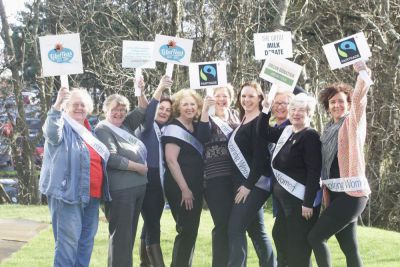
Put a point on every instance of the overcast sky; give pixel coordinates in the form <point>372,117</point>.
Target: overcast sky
<point>12,7</point>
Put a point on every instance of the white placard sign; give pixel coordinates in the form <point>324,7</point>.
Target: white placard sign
<point>207,74</point>
<point>276,43</point>
<point>173,50</point>
<point>138,54</point>
<point>61,54</point>
<point>280,71</point>
<point>347,51</point>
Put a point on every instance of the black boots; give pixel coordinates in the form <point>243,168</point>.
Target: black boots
<point>144,258</point>
<point>155,255</point>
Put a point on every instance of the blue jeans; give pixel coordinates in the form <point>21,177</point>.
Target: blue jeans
<point>74,228</point>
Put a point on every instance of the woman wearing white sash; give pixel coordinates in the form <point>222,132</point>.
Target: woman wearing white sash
<point>218,171</point>
<point>73,177</point>
<point>127,171</point>
<point>158,113</point>
<point>183,181</point>
<point>296,164</point>
<point>251,157</point>
<point>346,188</point>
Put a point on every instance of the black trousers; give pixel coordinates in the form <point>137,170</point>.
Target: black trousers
<point>249,216</point>
<point>152,208</point>
<point>123,215</point>
<point>339,219</point>
<point>187,222</point>
<point>219,194</point>
<point>291,229</point>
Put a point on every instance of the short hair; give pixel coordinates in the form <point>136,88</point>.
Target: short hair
<point>303,99</point>
<point>166,99</point>
<point>260,94</point>
<point>326,94</point>
<point>288,94</point>
<point>228,88</point>
<point>86,98</point>
<point>117,99</point>
<point>178,96</point>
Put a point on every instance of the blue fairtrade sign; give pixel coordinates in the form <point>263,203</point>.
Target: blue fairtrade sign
<point>174,53</point>
<point>61,56</point>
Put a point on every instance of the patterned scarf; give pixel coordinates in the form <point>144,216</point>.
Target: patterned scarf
<point>329,140</point>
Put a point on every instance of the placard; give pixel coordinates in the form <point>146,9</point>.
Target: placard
<point>280,71</point>
<point>276,43</point>
<point>61,54</point>
<point>207,74</point>
<point>347,51</point>
<point>138,54</point>
<point>173,50</point>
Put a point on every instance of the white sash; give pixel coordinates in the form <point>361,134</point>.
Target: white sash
<point>88,137</point>
<point>134,142</point>
<point>289,184</point>
<point>241,163</point>
<point>222,125</point>
<point>160,153</point>
<point>292,186</point>
<point>348,184</point>
<point>177,132</point>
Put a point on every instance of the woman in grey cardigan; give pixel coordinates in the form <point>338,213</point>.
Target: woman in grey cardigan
<point>127,172</point>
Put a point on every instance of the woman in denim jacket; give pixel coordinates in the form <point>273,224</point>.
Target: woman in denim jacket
<point>73,177</point>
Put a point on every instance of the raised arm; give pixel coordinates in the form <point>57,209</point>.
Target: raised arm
<point>54,124</point>
<point>265,131</point>
<point>151,111</point>
<point>359,97</point>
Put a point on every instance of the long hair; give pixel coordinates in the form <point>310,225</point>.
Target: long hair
<point>260,94</point>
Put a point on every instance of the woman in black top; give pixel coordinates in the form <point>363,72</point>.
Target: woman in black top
<point>296,164</point>
<point>184,173</point>
<point>250,155</point>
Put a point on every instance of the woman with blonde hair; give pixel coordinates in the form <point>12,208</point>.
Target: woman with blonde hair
<point>182,140</point>
<point>218,171</point>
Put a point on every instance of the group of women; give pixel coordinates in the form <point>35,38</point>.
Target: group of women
<point>234,159</point>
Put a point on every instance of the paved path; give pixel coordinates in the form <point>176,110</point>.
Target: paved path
<point>14,233</point>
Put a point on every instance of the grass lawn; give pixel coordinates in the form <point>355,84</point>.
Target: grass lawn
<point>378,247</point>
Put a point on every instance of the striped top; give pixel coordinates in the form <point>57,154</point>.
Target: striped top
<point>218,162</point>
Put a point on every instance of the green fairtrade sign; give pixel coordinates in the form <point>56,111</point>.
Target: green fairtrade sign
<point>279,76</point>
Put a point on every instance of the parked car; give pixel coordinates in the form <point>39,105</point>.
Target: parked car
<point>11,188</point>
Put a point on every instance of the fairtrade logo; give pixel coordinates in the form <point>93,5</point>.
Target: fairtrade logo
<point>347,50</point>
<point>60,54</point>
<point>171,51</point>
<point>208,74</point>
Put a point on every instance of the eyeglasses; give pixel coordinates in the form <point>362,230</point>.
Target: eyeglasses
<point>283,104</point>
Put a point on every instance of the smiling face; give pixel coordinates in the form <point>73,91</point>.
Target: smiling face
<point>298,116</point>
<point>164,112</point>
<point>222,99</point>
<point>249,99</point>
<point>76,108</point>
<point>188,108</point>
<point>116,114</point>
<point>280,107</point>
<point>338,106</point>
